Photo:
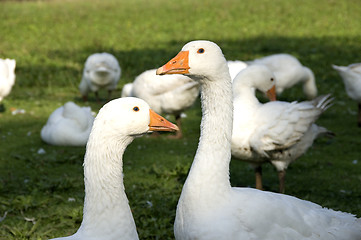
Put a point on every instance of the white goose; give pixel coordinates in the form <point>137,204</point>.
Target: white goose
<point>106,213</point>
<point>101,70</point>
<point>166,94</point>
<point>289,71</point>
<point>276,132</point>
<point>351,76</point>
<point>68,125</point>
<point>7,79</point>
<point>209,208</point>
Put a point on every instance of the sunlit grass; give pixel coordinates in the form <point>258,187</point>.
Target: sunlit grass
<point>43,193</point>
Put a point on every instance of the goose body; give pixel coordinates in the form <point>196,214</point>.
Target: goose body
<point>351,76</point>
<point>106,213</point>
<point>277,132</point>
<point>289,71</point>
<point>101,71</point>
<point>68,125</point>
<point>209,208</point>
<point>7,77</point>
<point>171,94</point>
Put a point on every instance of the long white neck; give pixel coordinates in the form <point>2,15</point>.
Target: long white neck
<point>245,95</point>
<point>209,174</point>
<point>245,105</point>
<point>245,102</point>
<point>309,87</point>
<point>106,213</point>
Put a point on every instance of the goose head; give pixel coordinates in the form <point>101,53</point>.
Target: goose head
<point>197,59</point>
<point>131,117</point>
<point>256,76</point>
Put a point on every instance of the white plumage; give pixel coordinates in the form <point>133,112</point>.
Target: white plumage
<point>289,71</point>
<point>106,213</point>
<point>235,67</point>
<point>101,71</point>
<point>165,94</point>
<point>276,132</point>
<point>209,208</point>
<point>351,76</point>
<point>68,125</point>
<point>7,77</point>
<point>127,90</point>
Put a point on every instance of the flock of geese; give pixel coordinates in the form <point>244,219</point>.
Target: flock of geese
<point>234,123</point>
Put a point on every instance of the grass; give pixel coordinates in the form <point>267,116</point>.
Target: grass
<point>50,40</point>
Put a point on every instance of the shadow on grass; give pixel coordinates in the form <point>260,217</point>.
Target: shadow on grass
<point>317,53</point>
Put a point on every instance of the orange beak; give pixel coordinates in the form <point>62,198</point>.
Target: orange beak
<point>177,65</point>
<point>159,123</point>
<point>271,94</point>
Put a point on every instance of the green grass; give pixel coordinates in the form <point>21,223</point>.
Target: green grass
<point>50,41</point>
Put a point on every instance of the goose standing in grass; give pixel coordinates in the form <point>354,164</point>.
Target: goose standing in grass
<point>7,79</point>
<point>106,213</point>
<point>101,70</point>
<point>289,71</point>
<point>351,76</point>
<point>276,132</point>
<point>166,94</point>
<point>209,208</point>
<point>68,125</point>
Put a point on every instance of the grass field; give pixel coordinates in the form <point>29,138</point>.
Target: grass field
<point>50,40</point>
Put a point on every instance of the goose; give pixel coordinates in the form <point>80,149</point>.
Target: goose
<point>171,94</point>
<point>101,70</point>
<point>277,132</point>
<point>68,125</point>
<point>351,76</point>
<point>7,79</point>
<point>209,208</point>
<point>107,214</point>
<point>289,71</point>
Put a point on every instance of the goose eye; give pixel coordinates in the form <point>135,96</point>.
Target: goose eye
<point>135,109</point>
<point>201,50</point>
<point>272,79</point>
